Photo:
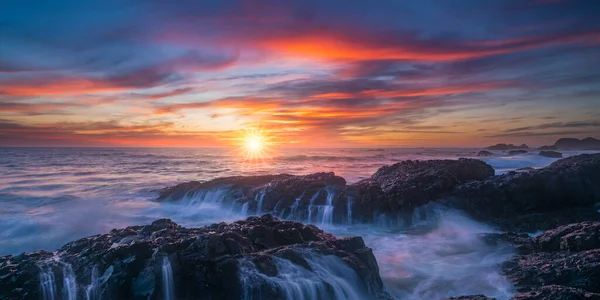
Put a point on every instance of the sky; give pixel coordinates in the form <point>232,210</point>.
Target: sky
<point>310,73</point>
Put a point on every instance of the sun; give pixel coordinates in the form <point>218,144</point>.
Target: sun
<point>254,143</point>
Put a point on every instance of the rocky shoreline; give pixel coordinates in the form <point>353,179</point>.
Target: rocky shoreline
<point>245,259</point>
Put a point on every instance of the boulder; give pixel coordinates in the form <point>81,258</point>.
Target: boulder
<point>572,237</point>
<point>552,154</point>
<point>248,258</point>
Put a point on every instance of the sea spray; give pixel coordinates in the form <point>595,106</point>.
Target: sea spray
<point>440,255</point>
<point>328,278</point>
<point>47,284</point>
<point>168,288</point>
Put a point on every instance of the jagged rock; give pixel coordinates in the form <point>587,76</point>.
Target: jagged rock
<point>553,292</point>
<point>572,237</point>
<point>410,184</point>
<point>577,270</point>
<point>484,153</point>
<point>551,154</point>
<point>220,261</point>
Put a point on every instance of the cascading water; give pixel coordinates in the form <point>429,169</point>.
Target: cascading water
<point>325,212</point>
<point>330,278</point>
<point>69,290</point>
<point>349,209</point>
<point>92,291</point>
<point>245,209</point>
<point>168,288</point>
<point>47,284</point>
<point>261,199</point>
<point>311,204</point>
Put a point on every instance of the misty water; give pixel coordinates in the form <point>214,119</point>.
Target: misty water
<point>49,196</point>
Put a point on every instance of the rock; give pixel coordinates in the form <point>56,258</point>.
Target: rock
<point>522,242</point>
<point>470,297</point>
<point>547,148</point>
<point>552,154</point>
<point>505,147</point>
<point>517,152</point>
<point>484,153</point>
<point>552,292</point>
<point>577,270</point>
<point>571,237</point>
<point>410,184</point>
<point>567,189</point>
<point>220,261</point>
<point>588,143</point>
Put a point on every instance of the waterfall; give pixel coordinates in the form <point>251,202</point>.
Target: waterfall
<point>330,278</point>
<point>294,207</point>
<point>167,280</point>
<point>47,284</point>
<point>245,209</point>
<point>69,283</point>
<point>261,199</point>
<point>310,205</point>
<point>326,211</point>
<point>349,209</point>
<point>91,291</point>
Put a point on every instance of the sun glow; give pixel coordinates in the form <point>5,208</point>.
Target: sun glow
<point>255,143</point>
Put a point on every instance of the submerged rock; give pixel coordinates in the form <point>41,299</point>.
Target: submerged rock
<point>258,256</point>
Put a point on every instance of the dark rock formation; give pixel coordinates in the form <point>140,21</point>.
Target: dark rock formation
<point>505,147</point>
<point>561,193</point>
<point>221,261</point>
<point>410,184</point>
<point>588,143</point>
<point>325,198</point>
<point>484,153</point>
<point>517,152</point>
<point>552,154</point>
<point>572,237</point>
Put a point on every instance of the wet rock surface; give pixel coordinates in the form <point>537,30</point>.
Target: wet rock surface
<point>149,262</point>
<point>561,263</point>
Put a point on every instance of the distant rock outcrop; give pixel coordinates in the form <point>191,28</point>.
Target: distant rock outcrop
<point>588,143</point>
<point>552,154</point>
<point>550,148</point>
<point>484,153</point>
<point>517,152</point>
<point>247,259</point>
<point>505,147</point>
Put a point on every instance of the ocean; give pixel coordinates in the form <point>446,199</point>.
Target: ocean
<point>50,196</point>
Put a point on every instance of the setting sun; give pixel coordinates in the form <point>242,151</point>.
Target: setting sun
<point>254,143</point>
